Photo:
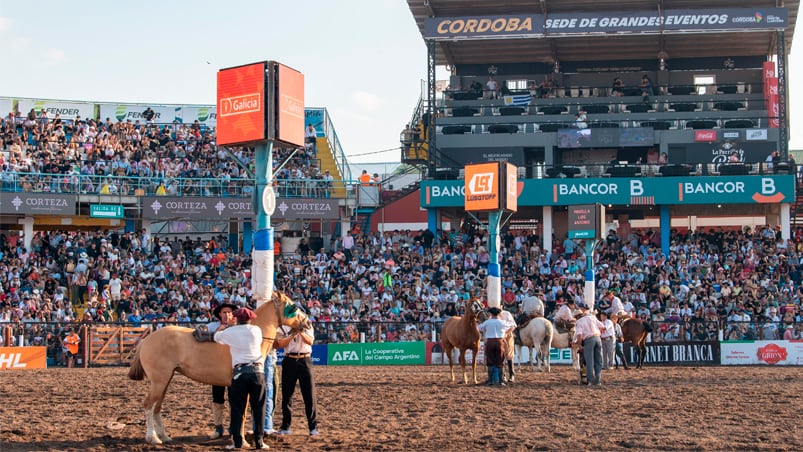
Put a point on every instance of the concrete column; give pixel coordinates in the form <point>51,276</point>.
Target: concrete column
<point>666,226</point>
<point>785,221</point>
<point>547,239</point>
<point>27,231</point>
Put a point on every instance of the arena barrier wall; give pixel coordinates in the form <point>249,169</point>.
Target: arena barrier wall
<point>22,358</point>
<point>771,353</point>
<point>377,354</point>
<point>678,353</point>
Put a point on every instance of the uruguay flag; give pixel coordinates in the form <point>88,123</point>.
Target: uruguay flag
<point>519,100</point>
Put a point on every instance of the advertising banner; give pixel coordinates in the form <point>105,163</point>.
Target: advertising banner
<point>204,115</point>
<point>162,114</point>
<point>377,353</point>
<point>21,358</point>
<point>306,208</point>
<point>65,110</point>
<point>482,187</point>
<point>37,203</point>
<point>583,23</point>
<point>241,104</point>
<point>168,207</point>
<point>623,191</point>
<point>316,117</point>
<point>319,355</point>
<point>6,106</point>
<point>720,152</point>
<point>289,105</point>
<point>677,353</point>
<point>771,353</point>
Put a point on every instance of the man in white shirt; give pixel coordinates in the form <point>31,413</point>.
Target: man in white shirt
<point>495,330</point>
<point>608,338</point>
<point>587,333</point>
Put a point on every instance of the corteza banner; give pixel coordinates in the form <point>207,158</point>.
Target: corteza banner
<point>633,191</point>
<point>37,203</point>
<point>169,207</point>
<point>576,23</point>
<point>677,353</point>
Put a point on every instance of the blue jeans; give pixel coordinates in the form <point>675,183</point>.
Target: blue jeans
<point>270,389</point>
<point>592,352</point>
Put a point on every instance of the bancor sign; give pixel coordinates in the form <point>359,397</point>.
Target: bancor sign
<point>627,191</point>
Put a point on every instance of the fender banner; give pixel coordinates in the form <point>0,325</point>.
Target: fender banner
<point>768,353</point>
<point>163,114</point>
<point>677,353</point>
<point>65,110</point>
<point>206,115</point>
<point>21,358</point>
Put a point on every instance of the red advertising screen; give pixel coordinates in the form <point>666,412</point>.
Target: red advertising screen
<point>241,104</point>
<point>290,106</point>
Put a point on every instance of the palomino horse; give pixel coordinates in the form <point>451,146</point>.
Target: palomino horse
<point>173,349</point>
<point>462,333</point>
<point>635,331</point>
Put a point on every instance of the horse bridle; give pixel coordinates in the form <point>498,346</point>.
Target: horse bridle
<point>290,310</point>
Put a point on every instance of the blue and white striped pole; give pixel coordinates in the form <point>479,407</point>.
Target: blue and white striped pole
<point>589,295</point>
<point>494,278</point>
<point>264,202</point>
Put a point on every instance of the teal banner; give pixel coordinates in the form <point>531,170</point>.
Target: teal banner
<point>377,354</point>
<point>627,191</point>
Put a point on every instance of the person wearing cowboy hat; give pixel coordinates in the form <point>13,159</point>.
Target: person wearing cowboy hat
<point>223,313</point>
<point>495,330</point>
<point>248,379</point>
<point>587,332</point>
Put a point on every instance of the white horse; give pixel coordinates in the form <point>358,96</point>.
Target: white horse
<point>537,336</point>
<point>542,334</point>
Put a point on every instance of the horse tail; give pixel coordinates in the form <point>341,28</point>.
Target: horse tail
<point>136,371</point>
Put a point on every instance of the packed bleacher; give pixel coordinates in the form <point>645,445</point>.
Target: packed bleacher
<point>87,156</point>
<point>401,286</point>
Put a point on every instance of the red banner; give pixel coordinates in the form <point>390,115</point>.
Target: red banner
<point>771,97</point>
<point>290,106</point>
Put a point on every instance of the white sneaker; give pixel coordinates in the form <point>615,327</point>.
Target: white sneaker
<point>314,432</point>
<point>232,447</point>
<point>284,432</point>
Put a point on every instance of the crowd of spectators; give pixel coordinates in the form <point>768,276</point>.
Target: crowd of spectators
<point>44,154</point>
<point>393,286</point>
<point>401,285</point>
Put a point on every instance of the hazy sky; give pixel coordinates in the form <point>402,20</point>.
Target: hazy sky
<point>364,60</point>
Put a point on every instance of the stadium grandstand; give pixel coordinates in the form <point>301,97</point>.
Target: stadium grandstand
<point>672,114</point>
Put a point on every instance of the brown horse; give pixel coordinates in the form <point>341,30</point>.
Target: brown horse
<point>462,333</point>
<point>635,331</point>
<point>173,349</point>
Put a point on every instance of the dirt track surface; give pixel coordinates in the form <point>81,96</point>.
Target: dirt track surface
<point>416,408</point>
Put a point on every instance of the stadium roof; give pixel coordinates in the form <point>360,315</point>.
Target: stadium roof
<point>597,47</point>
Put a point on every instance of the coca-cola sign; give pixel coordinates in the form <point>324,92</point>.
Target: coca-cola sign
<point>705,135</point>
<point>772,353</point>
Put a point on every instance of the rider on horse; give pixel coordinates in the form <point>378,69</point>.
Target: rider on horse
<point>564,318</point>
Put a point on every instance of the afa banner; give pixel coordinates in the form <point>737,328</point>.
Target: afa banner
<point>21,358</point>
<point>377,354</point>
<point>769,353</point>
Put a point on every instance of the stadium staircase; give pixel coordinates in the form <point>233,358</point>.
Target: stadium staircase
<point>797,208</point>
<point>328,162</point>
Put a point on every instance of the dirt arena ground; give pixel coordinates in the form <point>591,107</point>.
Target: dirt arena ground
<point>415,408</point>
